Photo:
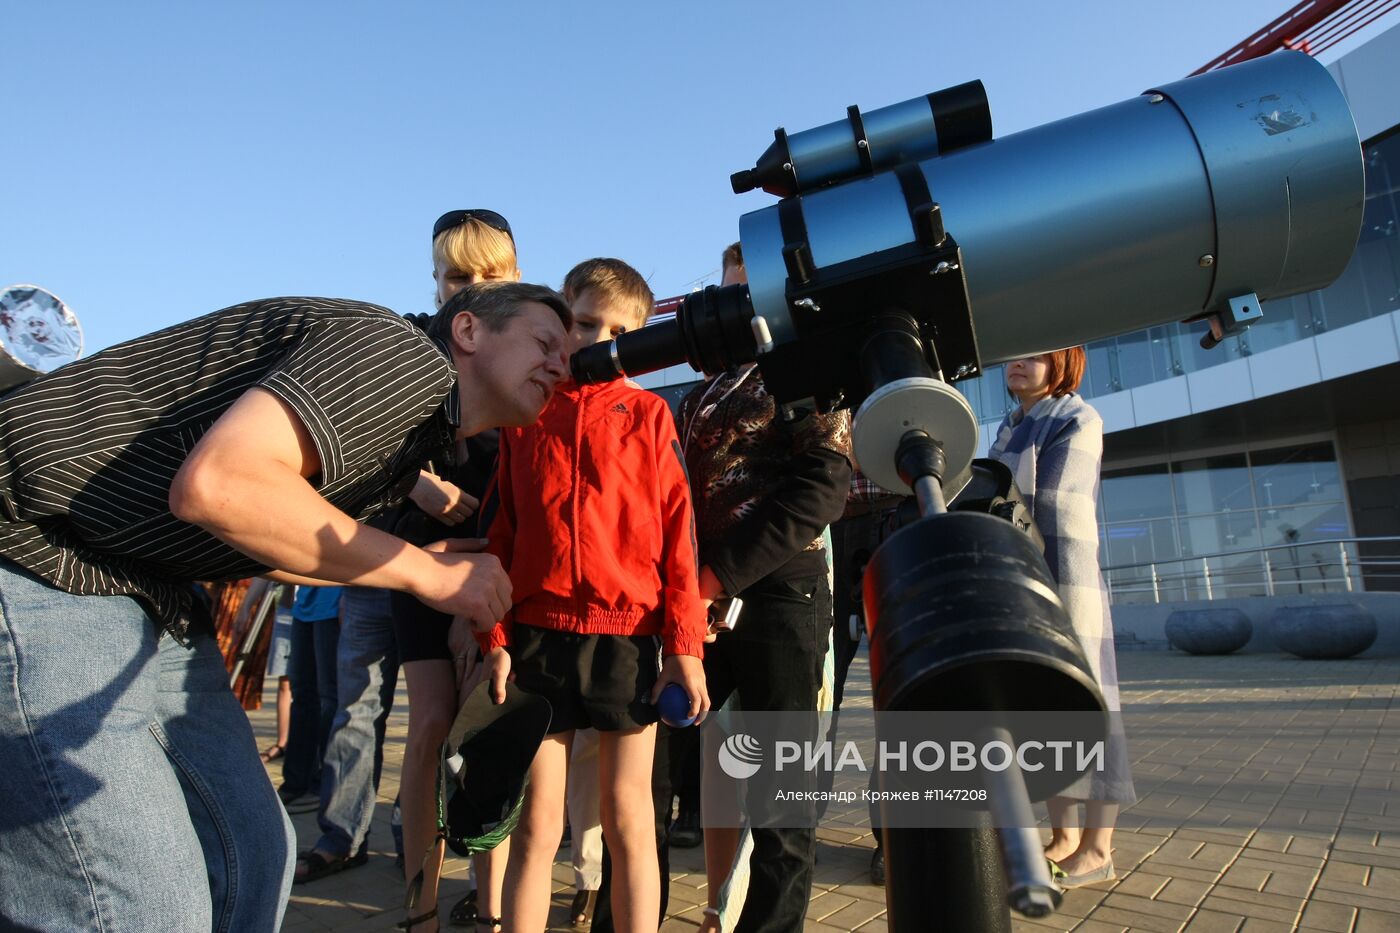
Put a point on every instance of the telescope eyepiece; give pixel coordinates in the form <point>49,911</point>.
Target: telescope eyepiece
<point>598,363</point>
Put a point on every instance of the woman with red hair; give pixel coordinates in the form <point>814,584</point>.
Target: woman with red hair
<point>1053,443</point>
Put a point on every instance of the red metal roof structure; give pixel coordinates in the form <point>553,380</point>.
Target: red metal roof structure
<point>1312,26</point>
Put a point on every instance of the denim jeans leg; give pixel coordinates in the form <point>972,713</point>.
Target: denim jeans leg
<point>300,766</point>
<point>96,830</point>
<point>327,637</point>
<point>246,836</point>
<point>367,663</point>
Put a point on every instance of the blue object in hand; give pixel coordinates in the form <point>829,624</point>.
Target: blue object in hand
<point>674,706</point>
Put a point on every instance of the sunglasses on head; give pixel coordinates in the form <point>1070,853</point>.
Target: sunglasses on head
<point>456,218</point>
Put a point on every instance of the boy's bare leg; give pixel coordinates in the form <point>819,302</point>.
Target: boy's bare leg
<point>629,826</point>
<point>536,839</point>
<point>432,701</point>
<point>721,844</point>
<point>284,710</point>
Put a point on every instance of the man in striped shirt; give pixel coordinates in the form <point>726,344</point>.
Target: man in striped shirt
<point>249,441</point>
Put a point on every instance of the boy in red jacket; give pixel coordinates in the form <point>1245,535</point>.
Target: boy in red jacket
<point>597,532</point>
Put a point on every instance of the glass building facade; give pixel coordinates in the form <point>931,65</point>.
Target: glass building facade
<point>1167,528</point>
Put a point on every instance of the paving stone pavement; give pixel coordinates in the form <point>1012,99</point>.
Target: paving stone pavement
<point>1267,802</point>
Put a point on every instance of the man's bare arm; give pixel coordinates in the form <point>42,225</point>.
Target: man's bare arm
<point>280,576</point>
<point>247,483</point>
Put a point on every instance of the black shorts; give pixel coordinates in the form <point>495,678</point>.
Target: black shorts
<point>598,681</point>
<point>421,631</point>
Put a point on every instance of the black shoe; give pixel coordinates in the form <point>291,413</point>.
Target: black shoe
<point>685,831</point>
<point>298,801</point>
<point>877,868</point>
<point>463,912</point>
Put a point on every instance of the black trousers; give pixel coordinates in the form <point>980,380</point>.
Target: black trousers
<point>773,661</point>
<point>853,541</point>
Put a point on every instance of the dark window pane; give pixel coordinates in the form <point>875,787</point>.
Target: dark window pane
<point>1139,542</point>
<point>1136,493</point>
<point>1212,484</point>
<point>1344,301</point>
<point>1304,523</point>
<point>1134,360</point>
<point>1378,253</point>
<point>1295,476</point>
<point>1166,354</point>
<point>1305,564</point>
<point>1099,369</point>
<point>1211,534</point>
<point>1144,555</point>
<point>1234,575</point>
<point>1285,320</point>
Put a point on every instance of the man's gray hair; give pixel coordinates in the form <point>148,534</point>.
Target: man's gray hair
<point>495,303</point>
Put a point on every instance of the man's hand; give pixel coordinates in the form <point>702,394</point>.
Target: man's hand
<point>689,672</point>
<point>442,500</point>
<point>465,583</point>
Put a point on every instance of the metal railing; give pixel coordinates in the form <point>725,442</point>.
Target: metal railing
<point>1334,565</point>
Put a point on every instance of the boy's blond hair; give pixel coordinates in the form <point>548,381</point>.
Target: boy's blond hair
<point>616,281</point>
<point>474,247</point>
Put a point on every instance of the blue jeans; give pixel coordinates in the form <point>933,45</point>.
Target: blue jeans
<point>132,797</point>
<point>368,672</point>
<point>311,670</point>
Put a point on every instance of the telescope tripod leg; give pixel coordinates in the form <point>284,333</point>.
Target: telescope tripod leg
<point>945,880</point>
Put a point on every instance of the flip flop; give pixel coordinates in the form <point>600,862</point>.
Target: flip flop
<point>271,753</point>
<point>581,910</point>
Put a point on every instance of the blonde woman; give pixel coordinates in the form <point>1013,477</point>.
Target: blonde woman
<point>469,246</point>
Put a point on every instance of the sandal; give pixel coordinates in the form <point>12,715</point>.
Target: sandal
<point>463,913</point>
<point>411,922</point>
<point>581,911</point>
<point>491,923</point>
<point>319,865</point>
<point>271,753</point>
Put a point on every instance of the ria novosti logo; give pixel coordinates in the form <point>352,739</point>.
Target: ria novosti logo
<point>740,756</point>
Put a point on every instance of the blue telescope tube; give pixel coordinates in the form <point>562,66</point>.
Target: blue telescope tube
<point>1161,208</point>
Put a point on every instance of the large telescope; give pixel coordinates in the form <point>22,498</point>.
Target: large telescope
<point>908,250</point>
<point>1197,199</point>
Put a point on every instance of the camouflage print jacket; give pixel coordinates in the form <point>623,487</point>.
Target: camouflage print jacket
<point>764,489</point>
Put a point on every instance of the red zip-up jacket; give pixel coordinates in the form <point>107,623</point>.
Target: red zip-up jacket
<point>595,524</point>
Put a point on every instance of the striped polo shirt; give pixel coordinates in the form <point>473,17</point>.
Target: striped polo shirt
<point>88,452</point>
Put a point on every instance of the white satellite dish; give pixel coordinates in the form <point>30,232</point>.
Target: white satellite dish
<point>38,334</point>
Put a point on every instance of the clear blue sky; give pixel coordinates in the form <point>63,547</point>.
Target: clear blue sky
<point>163,160</point>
